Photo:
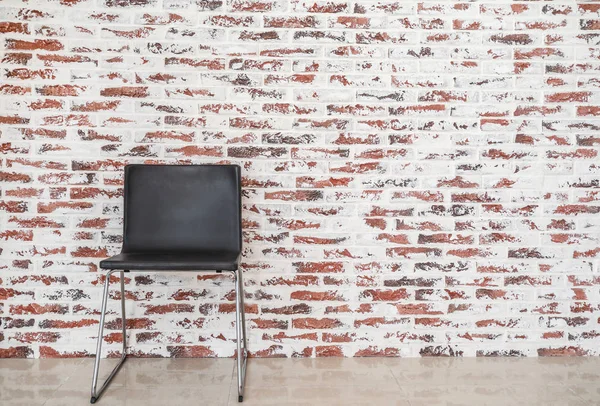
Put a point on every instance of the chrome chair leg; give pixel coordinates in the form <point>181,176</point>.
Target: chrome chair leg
<point>240,328</point>
<point>243,312</point>
<point>97,393</point>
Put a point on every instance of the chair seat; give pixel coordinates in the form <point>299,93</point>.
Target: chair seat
<point>173,261</point>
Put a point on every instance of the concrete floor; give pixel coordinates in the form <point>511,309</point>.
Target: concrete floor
<point>561,381</point>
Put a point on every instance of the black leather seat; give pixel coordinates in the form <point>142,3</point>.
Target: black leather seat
<point>178,218</point>
<point>200,261</point>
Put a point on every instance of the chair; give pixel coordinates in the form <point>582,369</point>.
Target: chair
<point>179,218</point>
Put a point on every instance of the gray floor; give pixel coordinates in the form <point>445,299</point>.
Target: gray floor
<point>326,381</point>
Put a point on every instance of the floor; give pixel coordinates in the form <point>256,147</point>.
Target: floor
<point>561,381</point>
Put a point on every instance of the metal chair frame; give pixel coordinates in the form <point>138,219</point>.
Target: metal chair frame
<point>240,322</point>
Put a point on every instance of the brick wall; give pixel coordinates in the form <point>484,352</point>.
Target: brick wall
<point>421,178</point>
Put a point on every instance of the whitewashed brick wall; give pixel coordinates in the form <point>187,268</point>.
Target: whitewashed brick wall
<point>420,177</point>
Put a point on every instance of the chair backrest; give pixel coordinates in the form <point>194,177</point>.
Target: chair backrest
<point>182,208</point>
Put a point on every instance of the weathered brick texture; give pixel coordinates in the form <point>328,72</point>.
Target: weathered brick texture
<point>420,177</point>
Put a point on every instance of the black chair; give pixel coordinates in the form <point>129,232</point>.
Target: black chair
<point>179,218</point>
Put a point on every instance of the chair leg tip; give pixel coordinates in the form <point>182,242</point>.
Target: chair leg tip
<point>93,400</point>
<point>240,398</point>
